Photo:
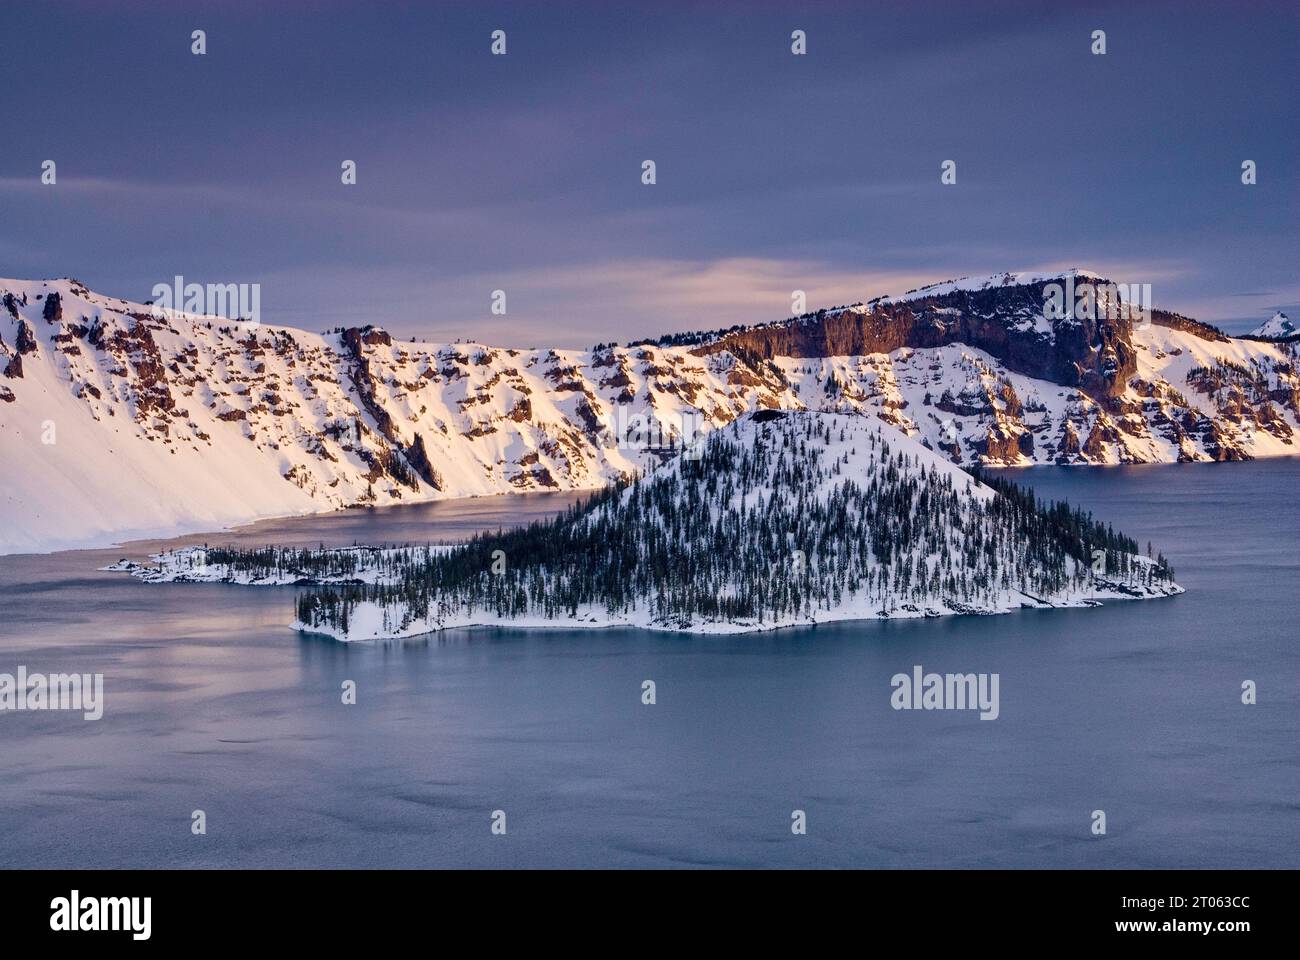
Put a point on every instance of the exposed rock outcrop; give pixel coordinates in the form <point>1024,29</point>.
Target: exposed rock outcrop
<point>1094,355</point>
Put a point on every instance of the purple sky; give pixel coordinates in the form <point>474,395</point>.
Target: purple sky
<point>775,172</point>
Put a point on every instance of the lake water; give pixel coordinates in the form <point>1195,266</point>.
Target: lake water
<point>213,704</point>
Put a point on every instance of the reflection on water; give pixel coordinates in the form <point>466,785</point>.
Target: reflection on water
<point>213,704</point>
<point>440,522</point>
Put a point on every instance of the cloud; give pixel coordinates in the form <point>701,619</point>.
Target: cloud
<point>578,305</point>
<point>571,305</point>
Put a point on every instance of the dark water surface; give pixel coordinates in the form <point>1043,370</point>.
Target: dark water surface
<point>213,704</point>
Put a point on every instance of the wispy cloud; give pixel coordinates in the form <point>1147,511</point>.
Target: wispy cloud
<point>620,299</point>
<point>574,305</point>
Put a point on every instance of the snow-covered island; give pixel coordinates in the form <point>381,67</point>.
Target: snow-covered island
<point>782,518</point>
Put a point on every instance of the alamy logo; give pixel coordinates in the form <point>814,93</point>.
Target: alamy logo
<point>55,691</point>
<point>946,691</point>
<point>661,431</point>
<point>241,302</point>
<point>75,913</point>
<point>1097,301</point>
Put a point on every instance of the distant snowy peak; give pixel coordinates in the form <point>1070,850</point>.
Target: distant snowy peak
<point>1279,326</point>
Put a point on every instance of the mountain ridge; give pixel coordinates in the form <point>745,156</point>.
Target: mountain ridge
<point>119,421</point>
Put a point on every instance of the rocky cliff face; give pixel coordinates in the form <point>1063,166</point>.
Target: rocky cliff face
<point>1008,322</point>
<point>981,370</point>
<point>1193,398</point>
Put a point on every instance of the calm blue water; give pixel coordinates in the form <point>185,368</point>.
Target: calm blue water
<point>1132,708</point>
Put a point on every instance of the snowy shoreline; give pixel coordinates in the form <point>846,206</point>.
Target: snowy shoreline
<point>593,620</point>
